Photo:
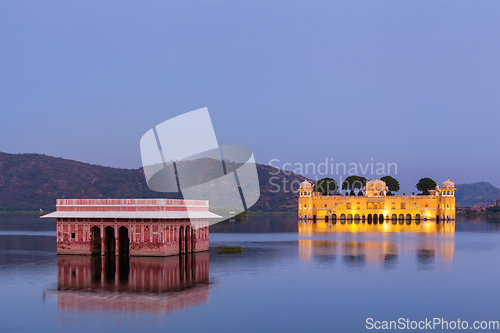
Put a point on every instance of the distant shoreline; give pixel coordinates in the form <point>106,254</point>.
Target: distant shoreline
<point>27,212</point>
<point>478,214</point>
<point>461,214</point>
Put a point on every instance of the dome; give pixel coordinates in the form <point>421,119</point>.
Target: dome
<point>305,185</point>
<point>448,184</point>
<point>376,184</point>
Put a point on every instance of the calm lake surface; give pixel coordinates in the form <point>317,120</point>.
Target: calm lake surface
<point>289,278</point>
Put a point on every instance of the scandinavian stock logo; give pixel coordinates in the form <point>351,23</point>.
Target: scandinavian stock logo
<point>182,155</point>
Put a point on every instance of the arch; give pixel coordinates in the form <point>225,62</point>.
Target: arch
<point>334,218</point>
<point>109,240</point>
<point>342,218</point>
<point>408,218</point>
<point>349,219</point>
<point>401,219</point>
<point>95,240</point>
<point>363,218</point>
<point>394,219</point>
<point>369,218</point>
<point>381,218</point>
<point>123,241</point>
<point>375,206</point>
<point>417,218</point>
<point>375,218</point>
<point>181,240</point>
<point>356,219</point>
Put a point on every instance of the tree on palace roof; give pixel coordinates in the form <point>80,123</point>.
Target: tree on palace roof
<point>425,185</point>
<point>392,183</point>
<point>325,186</point>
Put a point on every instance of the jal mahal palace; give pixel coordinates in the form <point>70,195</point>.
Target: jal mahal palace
<point>375,206</point>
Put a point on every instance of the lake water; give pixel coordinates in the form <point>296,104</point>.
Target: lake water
<point>290,277</point>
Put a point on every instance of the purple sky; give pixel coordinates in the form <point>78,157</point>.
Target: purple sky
<point>415,83</point>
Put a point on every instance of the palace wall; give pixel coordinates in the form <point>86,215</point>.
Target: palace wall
<point>136,227</point>
<point>428,207</point>
<point>136,237</point>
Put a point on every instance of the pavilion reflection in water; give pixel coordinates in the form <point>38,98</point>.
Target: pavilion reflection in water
<point>381,250</point>
<point>135,284</point>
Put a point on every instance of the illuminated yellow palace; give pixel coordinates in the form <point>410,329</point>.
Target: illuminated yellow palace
<point>375,206</point>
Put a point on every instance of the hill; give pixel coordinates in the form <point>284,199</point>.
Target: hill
<point>29,182</point>
<point>476,194</point>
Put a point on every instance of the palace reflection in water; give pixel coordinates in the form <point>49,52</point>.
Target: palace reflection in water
<point>435,248</point>
<point>424,227</point>
<point>124,284</point>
